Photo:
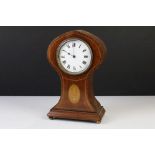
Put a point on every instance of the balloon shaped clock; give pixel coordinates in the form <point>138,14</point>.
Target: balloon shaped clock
<point>75,55</point>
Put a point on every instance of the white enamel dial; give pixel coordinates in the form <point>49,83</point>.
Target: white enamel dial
<point>74,56</point>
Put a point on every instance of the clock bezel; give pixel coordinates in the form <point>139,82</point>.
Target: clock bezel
<point>58,58</point>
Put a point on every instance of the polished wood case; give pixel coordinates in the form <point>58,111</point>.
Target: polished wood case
<point>77,99</point>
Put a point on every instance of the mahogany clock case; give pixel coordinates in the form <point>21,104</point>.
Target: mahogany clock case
<point>129,68</point>
<point>77,99</point>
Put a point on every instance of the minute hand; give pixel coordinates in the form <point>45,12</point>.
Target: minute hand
<point>68,53</point>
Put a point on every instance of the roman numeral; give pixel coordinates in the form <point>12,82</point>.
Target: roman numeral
<point>73,45</point>
<point>74,68</point>
<point>62,56</point>
<point>84,62</point>
<point>68,66</point>
<point>80,66</point>
<point>79,46</point>
<point>64,62</point>
<point>85,56</point>
<point>84,50</point>
<point>68,46</point>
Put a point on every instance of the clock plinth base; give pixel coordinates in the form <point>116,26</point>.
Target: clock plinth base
<point>77,115</point>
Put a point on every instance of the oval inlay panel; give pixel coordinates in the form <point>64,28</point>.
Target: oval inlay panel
<point>74,93</point>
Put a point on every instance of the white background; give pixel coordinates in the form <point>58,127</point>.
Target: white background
<point>122,112</point>
<point>82,13</point>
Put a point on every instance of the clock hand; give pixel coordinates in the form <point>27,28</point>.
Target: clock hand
<point>73,48</point>
<point>74,56</point>
<point>68,53</point>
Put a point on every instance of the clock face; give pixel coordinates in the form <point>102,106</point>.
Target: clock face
<point>74,56</point>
